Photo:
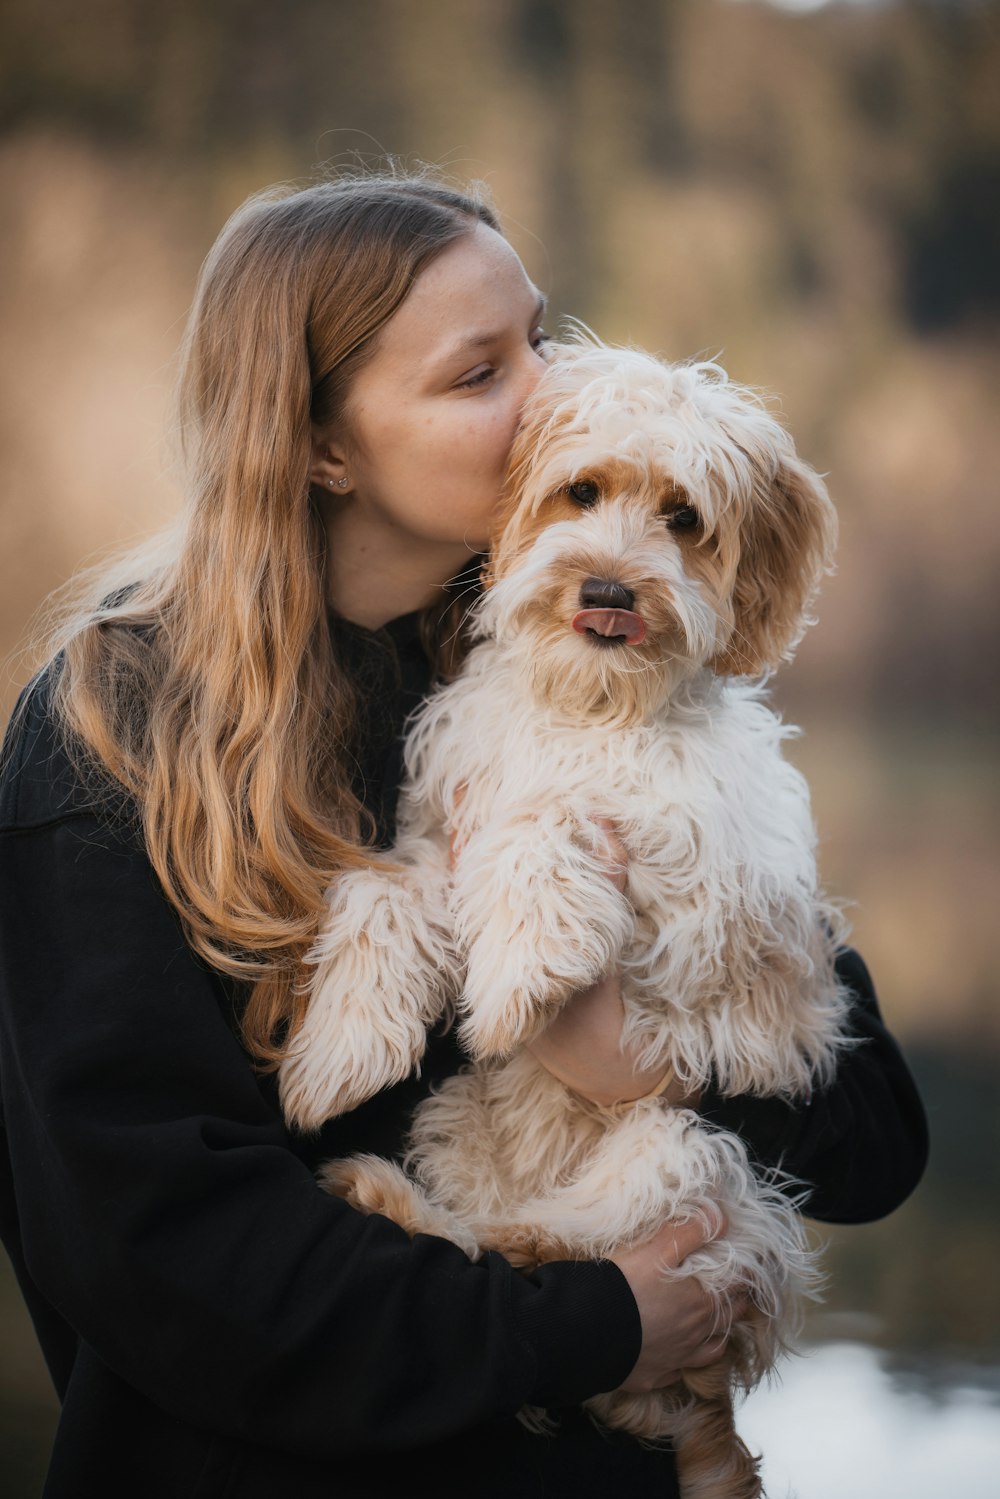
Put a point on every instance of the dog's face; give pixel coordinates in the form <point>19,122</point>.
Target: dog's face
<point>656,521</point>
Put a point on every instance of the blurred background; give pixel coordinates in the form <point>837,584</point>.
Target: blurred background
<point>810,192</point>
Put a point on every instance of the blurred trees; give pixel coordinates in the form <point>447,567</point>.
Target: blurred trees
<point>813,197</point>
<point>888,115</point>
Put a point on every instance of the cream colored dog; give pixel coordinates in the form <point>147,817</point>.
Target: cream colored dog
<point>658,549</point>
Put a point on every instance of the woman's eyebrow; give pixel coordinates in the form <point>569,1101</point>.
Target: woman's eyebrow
<point>480,340</point>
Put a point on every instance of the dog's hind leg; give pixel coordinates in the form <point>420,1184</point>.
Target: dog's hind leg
<point>713,1461</point>
<point>374,1185</point>
<point>696,1417</point>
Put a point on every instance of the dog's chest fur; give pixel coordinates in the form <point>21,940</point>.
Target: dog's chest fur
<point>708,769</point>
<point>725,970</point>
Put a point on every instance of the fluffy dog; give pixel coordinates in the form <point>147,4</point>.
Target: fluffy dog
<point>656,555</point>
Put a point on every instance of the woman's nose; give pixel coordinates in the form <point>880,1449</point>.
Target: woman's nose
<point>534,369</point>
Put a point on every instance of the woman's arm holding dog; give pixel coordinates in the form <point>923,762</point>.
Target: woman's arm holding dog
<point>155,1202</point>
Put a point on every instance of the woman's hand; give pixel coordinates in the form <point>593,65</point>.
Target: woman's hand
<point>683,1327</point>
<point>582,1045</point>
<point>582,1048</point>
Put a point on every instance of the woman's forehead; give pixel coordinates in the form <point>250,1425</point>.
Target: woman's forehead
<point>469,297</point>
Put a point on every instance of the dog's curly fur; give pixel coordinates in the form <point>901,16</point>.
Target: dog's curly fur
<point>658,549</point>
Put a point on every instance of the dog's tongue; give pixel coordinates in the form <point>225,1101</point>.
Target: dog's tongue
<point>611,622</point>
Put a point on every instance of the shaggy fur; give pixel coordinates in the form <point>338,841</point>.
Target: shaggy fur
<point>657,553</point>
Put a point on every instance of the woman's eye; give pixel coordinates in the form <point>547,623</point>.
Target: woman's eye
<point>584,492</point>
<point>480,377</point>
<point>540,338</point>
<point>684,518</point>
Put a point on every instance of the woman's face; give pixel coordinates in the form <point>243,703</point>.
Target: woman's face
<point>431,416</point>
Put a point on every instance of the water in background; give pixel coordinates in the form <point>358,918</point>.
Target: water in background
<point>840,1425</point>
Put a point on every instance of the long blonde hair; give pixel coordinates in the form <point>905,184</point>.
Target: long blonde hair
<point>208,688</point>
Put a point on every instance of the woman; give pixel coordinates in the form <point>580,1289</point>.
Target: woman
<point>214,742</point>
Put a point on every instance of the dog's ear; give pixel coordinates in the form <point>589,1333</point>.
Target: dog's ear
<point>785,543</point>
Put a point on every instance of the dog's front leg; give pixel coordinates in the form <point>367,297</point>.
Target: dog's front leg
<point>384,970</point>
<point>536,918</point>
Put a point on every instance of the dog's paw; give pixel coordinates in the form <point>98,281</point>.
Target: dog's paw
<point>345,1053</point>
<point>498,1020</point>
<point>383,972</point>
<point>511,995</point>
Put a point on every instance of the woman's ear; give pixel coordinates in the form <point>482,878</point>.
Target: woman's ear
<point>786,544</point>
<point>328,465</point>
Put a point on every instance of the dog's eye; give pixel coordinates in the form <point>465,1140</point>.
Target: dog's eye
<point>584,492</point>
<point>684,518</point>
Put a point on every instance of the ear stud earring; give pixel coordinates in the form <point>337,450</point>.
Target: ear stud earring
<point>340,483</point>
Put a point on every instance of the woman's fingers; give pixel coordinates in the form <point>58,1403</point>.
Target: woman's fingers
<point>684,1238</point>
<point>681,1323</point>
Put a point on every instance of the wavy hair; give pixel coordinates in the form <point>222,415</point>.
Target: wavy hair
<point>208,687</point>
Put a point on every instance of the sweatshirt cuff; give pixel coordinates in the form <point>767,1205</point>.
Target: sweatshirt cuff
<point>580,1323</point>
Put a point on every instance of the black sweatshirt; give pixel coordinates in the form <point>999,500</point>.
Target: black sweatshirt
<point>215,1324</point>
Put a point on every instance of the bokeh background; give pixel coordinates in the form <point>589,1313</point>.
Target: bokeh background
<point>810,192</point>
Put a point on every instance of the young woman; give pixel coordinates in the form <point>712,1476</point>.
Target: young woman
<point>213,741</point>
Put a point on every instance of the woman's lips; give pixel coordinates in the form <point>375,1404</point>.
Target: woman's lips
<point>612,624</point>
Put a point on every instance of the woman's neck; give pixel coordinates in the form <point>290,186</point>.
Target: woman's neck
<point>375,573</point>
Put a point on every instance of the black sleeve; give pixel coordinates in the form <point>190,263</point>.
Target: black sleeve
<point>860,1145</point>
<point>166,1218</point>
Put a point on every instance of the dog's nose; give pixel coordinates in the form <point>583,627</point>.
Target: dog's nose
<point>605,593</point>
